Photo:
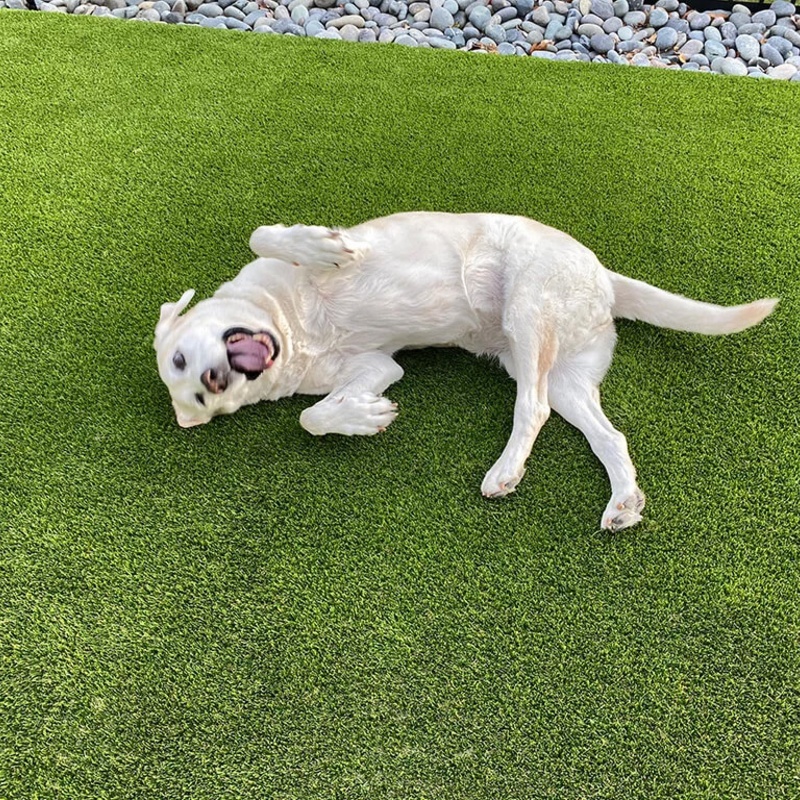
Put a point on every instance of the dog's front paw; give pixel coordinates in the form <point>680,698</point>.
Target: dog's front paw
<point>501,480</point>
<point>327,248</point>
<point>359,415</point>
<point>623,511</point>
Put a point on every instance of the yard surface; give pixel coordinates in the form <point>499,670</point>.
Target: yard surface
<point>244,611</point>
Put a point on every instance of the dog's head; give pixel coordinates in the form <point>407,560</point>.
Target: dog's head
<point>215,358</point>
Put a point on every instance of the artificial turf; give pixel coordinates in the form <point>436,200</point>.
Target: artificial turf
<point>245,611</point>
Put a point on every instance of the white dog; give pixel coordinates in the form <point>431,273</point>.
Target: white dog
<point>323,311</point>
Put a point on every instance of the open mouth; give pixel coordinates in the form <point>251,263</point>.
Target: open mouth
<point>250,352</point>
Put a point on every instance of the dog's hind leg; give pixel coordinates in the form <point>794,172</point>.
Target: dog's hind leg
<point>532,353</point>
<point>574,395</point>
<point>310,246</point>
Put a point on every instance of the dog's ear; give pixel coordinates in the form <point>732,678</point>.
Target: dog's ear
<point>170,312</point>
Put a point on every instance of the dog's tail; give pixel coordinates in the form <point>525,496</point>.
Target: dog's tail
<point>638,300</point>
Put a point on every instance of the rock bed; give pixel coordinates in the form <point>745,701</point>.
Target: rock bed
<point>668,34</point>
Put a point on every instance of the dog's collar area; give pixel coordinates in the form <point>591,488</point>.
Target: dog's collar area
<point>250,352</point>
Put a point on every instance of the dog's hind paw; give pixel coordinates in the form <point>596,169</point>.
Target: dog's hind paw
<point>622,512</point>
<point>500,481</point>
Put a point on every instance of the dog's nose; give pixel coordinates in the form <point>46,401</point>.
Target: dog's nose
<point>215,380</point>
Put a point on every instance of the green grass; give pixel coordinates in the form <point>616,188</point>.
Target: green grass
<point>244,611</point>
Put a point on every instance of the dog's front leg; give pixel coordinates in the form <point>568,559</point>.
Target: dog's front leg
<point>311,246</point>
<point>357,406</point>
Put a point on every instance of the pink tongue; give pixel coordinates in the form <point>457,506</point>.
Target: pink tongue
<point>248,355</point>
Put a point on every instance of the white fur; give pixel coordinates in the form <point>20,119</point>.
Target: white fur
<point>341,303</point>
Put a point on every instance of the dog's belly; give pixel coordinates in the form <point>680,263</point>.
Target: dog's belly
<point>426,289</point>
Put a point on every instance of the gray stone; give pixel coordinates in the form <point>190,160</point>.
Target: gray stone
<point>766,17</point>
<point>210,10</point>
<point>540,16</point>
<point>349,33</point>
<point>603,9</point>
<point>716,65</point>
<point>666,39</point>
<point>278,25</point>
<point>658,17</point>
<point>752,29</point>
<point>480,16</point>
<point>234,13</point>
<point>587,29</point>
<point>691,48</point>
<point>621,8</point>
<point>237,25</point>
<point>348,19</point>
<point>506,49</point>
<point>733,66</point>
<point>441,18</point>
<point>784,72</point>
<point>783,46</point>
<point>602,43</point>
<point>783,8</point>
<point>712,34</point>
<point>771,54</point>
<point>254,16</point>
<point>793,37</point>
<point>625,33</point>
<point>507,13</point>
<point>299,15</point>
<point>554,25</point>
<point>313,27</point>
<point>714,50</point>
<point>680,25</point>
<point>747,47</point>
<point>495,33</point>
<point>739,18</point>
<point>698,22</point>
<point>635,18</point>
<point>612,25</point>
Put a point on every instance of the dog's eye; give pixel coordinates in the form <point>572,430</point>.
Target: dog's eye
<point>200,399</point>
<point>179,361</point>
